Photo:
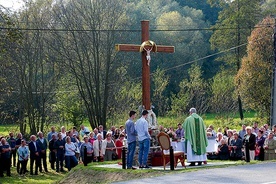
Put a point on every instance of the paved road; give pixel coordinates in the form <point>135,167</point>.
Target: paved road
<point>264,173</point>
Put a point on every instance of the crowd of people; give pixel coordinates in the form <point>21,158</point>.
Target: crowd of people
<point>60,147</point>
<point>260,140</point>
<point>229,144</point>
<point>72,146</point>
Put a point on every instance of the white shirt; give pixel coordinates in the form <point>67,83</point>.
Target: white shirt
<point>63,134</point>
<point>70,149</point>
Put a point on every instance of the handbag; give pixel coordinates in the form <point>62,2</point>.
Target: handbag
<point>257,151</point>
<point>114,156</point>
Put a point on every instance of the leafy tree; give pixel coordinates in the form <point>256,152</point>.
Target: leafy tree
<point>269,7</point>
<point>256,69</point>
<point>159,99</point>
<point>193,93</point>
<point>89,55</point>
<point>210,13</point>
<point>223,92</point>
<point>68,103</point>
<point>35,67</point>
<point>234,25</point>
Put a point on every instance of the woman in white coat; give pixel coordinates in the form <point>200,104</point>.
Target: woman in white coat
<point>98,147</point>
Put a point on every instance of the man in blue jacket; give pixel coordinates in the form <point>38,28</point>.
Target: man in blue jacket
<point>131,139</point>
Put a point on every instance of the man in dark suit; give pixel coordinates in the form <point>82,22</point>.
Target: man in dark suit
<point>59,145</point>
<point>236,148</point>
<point>34,155</point>
<point>43,144</point>
<point>52,155</point>
<point>102,131</point>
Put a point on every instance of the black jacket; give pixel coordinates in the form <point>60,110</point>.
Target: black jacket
<point>252,141</point>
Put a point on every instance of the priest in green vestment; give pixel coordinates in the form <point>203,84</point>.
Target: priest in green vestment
<point>195,138</point>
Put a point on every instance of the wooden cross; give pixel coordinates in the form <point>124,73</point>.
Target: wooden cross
<point>145,59</point>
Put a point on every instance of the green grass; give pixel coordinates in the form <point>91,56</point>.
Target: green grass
<point>42,178</point>
<point>6,129</point>
<point>95,174</point>
<point>230,120</point>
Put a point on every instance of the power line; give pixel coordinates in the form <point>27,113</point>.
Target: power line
<point>202,58</point>
<point>174,67</point>
<point>127,30</point>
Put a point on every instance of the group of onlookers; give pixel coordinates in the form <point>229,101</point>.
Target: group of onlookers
<point>72,146</point>
<point>231,144</point>
<point>60,147</point>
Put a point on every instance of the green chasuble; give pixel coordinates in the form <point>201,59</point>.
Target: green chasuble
<point>195,132</point>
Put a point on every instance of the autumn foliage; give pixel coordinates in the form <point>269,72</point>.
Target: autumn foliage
<point>254,77</point>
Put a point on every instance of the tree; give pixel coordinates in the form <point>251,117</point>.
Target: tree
<point>232,29</point>
<point>89,55</point>
<point>256,69</point>
<point>35,67</point>
<point>8,37</point>
<point>193,93</point>
<point>126,96</point>
<point>159,99</point>
<point>268,7</point>
<point>210,13</point>
<point>68,105</point>
<point>223,92</point>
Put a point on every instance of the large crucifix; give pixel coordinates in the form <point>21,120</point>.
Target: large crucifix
<point>145,48</point>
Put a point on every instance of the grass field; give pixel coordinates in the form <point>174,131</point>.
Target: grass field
<point>42,178</point>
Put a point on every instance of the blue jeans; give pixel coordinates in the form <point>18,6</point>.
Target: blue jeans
<point>70,162</point>
<point>144,147</point>
<point>130,153</point>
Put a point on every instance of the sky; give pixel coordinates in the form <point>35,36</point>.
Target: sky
<point>12,4</point>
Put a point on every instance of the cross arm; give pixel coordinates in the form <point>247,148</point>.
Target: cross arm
<point>136,48</point>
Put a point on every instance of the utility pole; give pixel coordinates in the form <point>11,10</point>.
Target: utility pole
<point>238,62</point>
<point>273,90</point>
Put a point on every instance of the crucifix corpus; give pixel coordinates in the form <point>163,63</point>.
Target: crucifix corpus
<point>145,48</point>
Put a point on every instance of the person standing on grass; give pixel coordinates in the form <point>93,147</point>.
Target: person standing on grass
<point>131,139</point>
<point>1,165</point>
<point>98,148</point>
<point>70,157</point>
<point>142,129</point>
<point>23,156</point>
<point>196,138</point>
<point>34,155</point>
<point>5,150</point>
<point>89,149</point>
<point>12,143</point>
<point>52,154</point>
<point>42,143</point>
<point>59,147</point>
<point>17,145</point>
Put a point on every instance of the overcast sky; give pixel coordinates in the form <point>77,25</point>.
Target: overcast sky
<point>13,4</point>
